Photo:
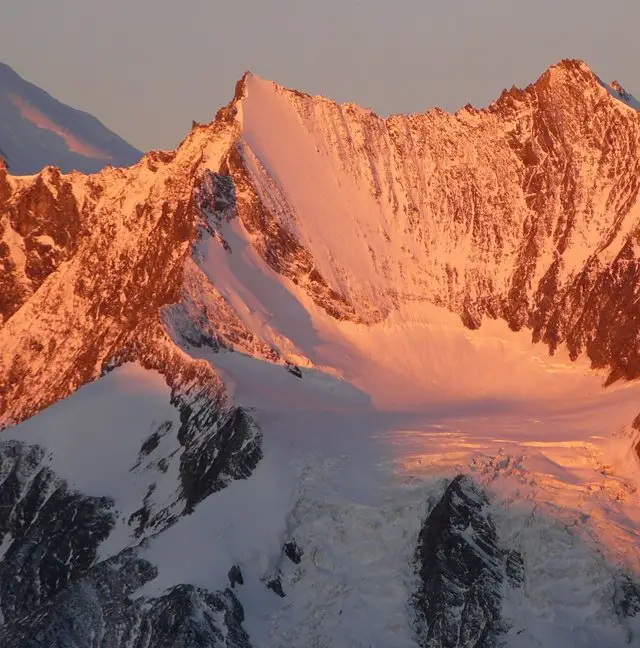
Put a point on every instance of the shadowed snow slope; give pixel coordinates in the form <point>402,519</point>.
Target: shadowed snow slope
<point>302,326</point>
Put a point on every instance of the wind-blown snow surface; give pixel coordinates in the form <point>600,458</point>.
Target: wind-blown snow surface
<point>301,258</point>
<point>560,469</point>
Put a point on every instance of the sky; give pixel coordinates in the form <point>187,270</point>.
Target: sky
<point>147,68</point>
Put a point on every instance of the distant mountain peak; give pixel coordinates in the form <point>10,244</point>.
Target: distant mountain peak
<point>572,64</point>
<point>37,130</point>
<point>619,92</point>
<point>574,73</point>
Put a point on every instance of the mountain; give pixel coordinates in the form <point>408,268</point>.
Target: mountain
<point>37,131</point>
<point>322,378</point>
<point>620,93</point>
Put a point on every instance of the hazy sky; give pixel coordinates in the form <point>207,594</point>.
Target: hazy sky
<point>147,68</point>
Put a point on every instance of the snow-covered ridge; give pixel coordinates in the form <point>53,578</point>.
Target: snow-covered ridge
<point>525,211</point>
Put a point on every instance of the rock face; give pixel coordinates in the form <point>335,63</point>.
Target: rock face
<point>525,211</point>
<point>460,569</point>
<point>55,591</point>
<point>36,131</point>
<point>40,228</point>
<point>98,610</point>
<point>52,534</point>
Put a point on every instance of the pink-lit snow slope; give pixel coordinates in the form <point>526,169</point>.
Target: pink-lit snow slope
<point>414,391</point>
<point>413,353</point>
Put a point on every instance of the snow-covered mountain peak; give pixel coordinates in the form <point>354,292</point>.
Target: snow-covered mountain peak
<point>567,74</point>
<point>327,316</point>
<point>571,85</point>
<point>37,130</point>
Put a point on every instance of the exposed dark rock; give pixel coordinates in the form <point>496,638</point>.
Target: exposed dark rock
<point>94,608</point>
<point>194,618</point>
<point>99,610</point>
<point>514,567</point>
<point>216,200</point>
<point>627,598</point>
<point>293,551</point>
<point>141,517</point>
<point>235,576</point>
<point>209,460</point>
<point>150,443</point>
<point>196,332</point>
<point>275,585</point>
<point>461,570</point>
<point>53,593</point>
<point>54,532</point>
<point>219,443</point>
<point>293,369</point>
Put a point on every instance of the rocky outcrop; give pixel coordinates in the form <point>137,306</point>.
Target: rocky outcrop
<point>460,569</point>
<point>235,576</point>
<point>190,616</point>
<point>219,442</point>
<point>50,533</point>
<point>56,593</point>
<point>210,461</point>
<point>204,317</point>
<point>514,567</point>
<point>40,227</point>
<point>292,551</point>
<point>101,609</point>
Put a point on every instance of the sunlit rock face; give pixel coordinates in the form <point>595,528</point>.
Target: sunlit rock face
<point>525,211</point>
<point>208,360</point>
